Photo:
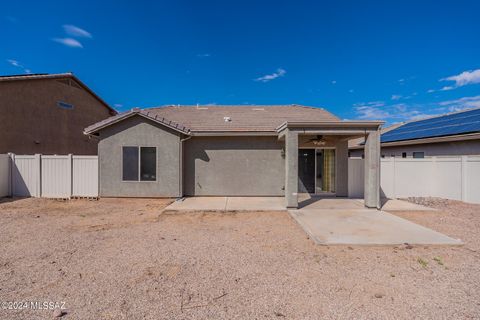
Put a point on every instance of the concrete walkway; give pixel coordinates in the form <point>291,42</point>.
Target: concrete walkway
<point>364,227</point>
<point>228,204</point>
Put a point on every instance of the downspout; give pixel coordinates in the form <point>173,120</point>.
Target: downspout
<point>180,166</point>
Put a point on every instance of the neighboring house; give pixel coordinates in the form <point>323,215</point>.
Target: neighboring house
<point>46,113</point>
<point>453,134</point>
<point>176,151</point>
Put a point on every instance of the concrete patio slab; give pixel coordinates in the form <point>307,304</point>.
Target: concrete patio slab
<point>228,204</point>
<point>199,204</point>
<point>329,203</point>
<point>365,227</point>
<point>255,204</point>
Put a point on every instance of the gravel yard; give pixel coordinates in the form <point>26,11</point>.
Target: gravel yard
<point>122,259</point>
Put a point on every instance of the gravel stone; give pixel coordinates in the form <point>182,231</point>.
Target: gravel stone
<point>117,264</point>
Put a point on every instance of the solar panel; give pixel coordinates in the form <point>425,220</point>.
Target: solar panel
<point>451,124</point>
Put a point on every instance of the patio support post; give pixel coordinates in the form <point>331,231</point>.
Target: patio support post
<point>372,170</point>
<point>291,169</point>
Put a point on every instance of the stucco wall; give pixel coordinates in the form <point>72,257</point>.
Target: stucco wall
<point>456,148</point>
<point>137,131</point>
<point>234,166</point>
<point>32,122</point>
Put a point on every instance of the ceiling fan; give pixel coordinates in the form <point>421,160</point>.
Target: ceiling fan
<point>318,140</point>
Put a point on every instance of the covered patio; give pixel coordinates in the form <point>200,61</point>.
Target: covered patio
<point>334,136</point>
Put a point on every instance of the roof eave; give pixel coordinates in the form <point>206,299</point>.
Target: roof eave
<point>60,76</point>
<point>162,121</point>
<point>371,125</point>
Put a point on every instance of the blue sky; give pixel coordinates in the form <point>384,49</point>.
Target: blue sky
<point>389,60</point>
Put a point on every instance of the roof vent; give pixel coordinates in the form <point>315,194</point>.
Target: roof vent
<point>258,109</point>
<point>227,119</point>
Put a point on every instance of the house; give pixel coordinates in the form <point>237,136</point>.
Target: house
<point>176,151</point>
<point>46,113</point>
<point>453,134</point>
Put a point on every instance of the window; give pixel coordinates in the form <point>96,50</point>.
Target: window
<point>64,105</point>
<point>404,154</point>
<point>139,163</point>
<point>419,155</point>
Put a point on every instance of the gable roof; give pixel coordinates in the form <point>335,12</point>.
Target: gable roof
<point>238,118</point>
<point>143,113</point>
<point>66,75</point>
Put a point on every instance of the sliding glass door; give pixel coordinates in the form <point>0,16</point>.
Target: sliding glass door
<point>325,171</point>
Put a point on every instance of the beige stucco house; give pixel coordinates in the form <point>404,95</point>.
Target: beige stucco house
<point>176,151</point>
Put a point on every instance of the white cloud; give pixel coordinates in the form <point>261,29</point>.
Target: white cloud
<point>396,97</point>
<point>334,81</point>
<point>464,78</point>
<point>368,112</point>
<point>204,55</point>
<point>461,104</point>
<point>377,110</point>
<point>14,63</point>
<point>69,42</point>
<point>17,64</point>
<point>269,77</point>
<point>118,105</point>
<point>447,88</point>
<point>371,110</point>
<point>75,31</point>
<point>351,91</point>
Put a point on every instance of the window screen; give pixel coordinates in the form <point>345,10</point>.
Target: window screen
<point>130,163</point>
<point>148,164</point>
<point>419,155</point>
<point>404,154</point>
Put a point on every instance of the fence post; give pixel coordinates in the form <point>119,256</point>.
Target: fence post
<point>464,174</point>
<point>38,181</point>
<point>70,175</point>
<point>394,175</point>
<point>434,187</point>
<point>11,163</point>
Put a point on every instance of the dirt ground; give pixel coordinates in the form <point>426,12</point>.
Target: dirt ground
<point>122,259</point>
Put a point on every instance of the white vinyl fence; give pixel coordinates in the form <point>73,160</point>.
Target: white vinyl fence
<point>49,176</point>
<point>456,178</point>
<point>4,175</point>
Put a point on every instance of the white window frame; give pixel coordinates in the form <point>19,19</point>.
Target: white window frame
<point>140,163</point>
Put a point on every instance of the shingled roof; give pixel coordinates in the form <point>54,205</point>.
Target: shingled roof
<point>241,118</point>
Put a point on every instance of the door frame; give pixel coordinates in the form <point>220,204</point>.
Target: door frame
<point>323,193</point>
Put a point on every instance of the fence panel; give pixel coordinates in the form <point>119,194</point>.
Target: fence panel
<point>356,171</point>
<point>472,183</point>
<point>25,176</point>
<point>387,178</point>
<point>413,177</point>
<point>456,178</point>
<point>49,176</point>
<point>56,177</point>
<point>4,175</point>
<point>85,176</point>
<point>448,178</point>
